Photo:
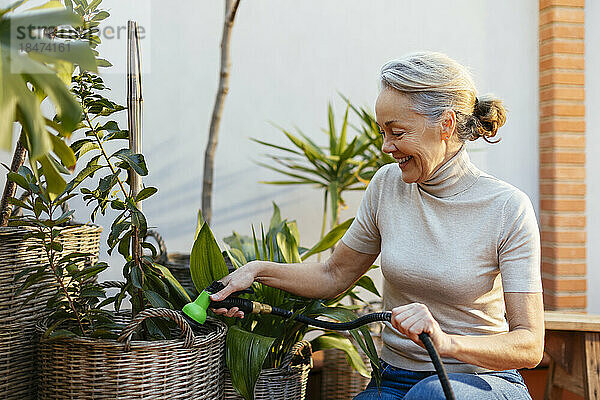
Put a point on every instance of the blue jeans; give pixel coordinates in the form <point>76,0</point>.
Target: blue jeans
<point>402,384</point>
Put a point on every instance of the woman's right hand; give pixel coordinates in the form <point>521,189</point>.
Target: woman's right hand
<point>240,279</point>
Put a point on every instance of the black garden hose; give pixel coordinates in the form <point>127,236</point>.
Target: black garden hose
<point>248,306</point>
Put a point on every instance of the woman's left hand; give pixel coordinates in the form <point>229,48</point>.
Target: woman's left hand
<point>415,318</point>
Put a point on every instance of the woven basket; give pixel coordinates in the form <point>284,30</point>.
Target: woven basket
<point>287,382</point>
<point>339,380</point>
<point>17,322</point>
<point>84,368</point>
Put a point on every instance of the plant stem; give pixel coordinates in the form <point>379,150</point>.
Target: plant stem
<point>50,255</point>
<point>10,188</point>
<point>324,223</point>
<point>101,146</point>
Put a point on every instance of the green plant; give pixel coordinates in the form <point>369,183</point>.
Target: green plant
<point>261,341</point>
<point>147,283</point>
<point>76,306</point>
<point>31,70</point>
<point>340,167</point>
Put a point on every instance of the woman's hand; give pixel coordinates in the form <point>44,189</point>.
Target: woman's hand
<point>239,279</point>
<point>415,318</point>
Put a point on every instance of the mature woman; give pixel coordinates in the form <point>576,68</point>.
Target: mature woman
<point>459,248</point>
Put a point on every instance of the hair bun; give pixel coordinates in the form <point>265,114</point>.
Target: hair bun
<point>489,115</point>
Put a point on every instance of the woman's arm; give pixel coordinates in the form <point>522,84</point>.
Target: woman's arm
<point>319,280</point>
<point>521,347</point>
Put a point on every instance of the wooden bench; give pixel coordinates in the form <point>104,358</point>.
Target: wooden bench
<point>573,344</point>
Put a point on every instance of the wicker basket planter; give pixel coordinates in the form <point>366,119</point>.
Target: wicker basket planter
<point>17,322</point>
<point>85,368</point>
<point>285,383</point>
<point>339,380</point>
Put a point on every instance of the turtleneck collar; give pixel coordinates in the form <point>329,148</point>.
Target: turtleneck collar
<point>453,177</point>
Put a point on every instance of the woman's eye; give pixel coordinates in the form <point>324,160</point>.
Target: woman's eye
<point>397,134</point>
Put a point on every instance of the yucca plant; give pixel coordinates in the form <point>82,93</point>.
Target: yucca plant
<point>342,166</point>
<point>261,341</point>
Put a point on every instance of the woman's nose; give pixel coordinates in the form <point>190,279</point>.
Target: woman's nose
<point>387,146</point>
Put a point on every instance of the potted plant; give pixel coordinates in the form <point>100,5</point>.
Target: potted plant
<point>340,167</point>
<point>34,66</point>
<point>121,353</point>
<point>344,165</point>
<point>272,343</point>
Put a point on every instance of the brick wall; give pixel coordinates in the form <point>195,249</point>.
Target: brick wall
<point>562,153</point>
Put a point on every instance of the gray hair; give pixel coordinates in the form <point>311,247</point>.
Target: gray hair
<point>436,83</point>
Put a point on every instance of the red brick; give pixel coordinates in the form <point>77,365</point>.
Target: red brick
<point>558,268</point>
<point>562,157</point>
<point>554,172</point>
<point>562,14</point>
<point>554,46</point>
<point>563,252</point>
<point>562,78</point>
<point>564,285</point>
<point>558,30</point>
<point>552,302</point>
<point>563,125</point>
<point>563,62</point>
<point>563,205</point>
<point>568,3</point>
<point>576,141</point>
<point>564,236</point>
<point>562,93</point>
<point>562,110</point>
<point>563,189</point>
<point>565,221</point>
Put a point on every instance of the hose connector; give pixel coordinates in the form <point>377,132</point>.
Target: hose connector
<point>260,308</point>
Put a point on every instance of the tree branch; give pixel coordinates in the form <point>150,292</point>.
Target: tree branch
<point>231,7</point>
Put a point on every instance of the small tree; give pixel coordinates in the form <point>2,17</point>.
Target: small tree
<point>231,7</point>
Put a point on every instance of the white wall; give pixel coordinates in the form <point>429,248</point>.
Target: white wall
<point>592,102</point>
<point>289,59</point>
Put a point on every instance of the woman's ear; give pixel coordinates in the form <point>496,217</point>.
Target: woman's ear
<point>448,124</point>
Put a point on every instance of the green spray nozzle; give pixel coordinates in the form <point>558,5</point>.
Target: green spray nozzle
<point>197,309</point>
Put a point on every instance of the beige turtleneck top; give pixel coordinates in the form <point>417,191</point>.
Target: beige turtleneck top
<point>453,243</point>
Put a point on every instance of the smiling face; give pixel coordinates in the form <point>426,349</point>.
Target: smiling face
<point>418,146</point>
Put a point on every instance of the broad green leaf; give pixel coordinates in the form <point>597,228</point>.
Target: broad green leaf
<point>275,218</point>
<point>135,161</point>
<point>367,283</point>
<point>206,261</point>
<point>174,283</point>
<point>54,181</point>
<point>330,239</point>
<point>145,193</point>
<point>245,356</point>
<point>337,341</point>
<point>18,179</point>
<point>156,300</point>
<point>63,152</point>
<point>288,246</point>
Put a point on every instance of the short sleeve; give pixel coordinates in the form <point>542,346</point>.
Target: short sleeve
<point>519,246</point>
<point>363,234</point>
